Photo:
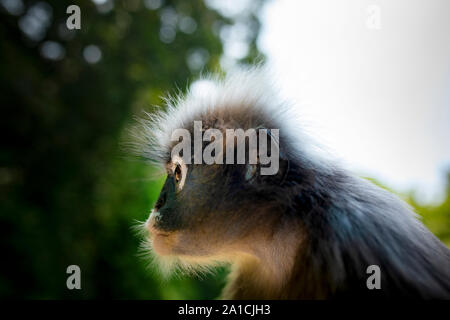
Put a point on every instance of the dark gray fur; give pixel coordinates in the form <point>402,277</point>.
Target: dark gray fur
<point>351,224</point>
<point>347,222</point>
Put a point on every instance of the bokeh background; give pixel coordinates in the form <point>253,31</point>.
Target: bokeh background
<point>69,194</point>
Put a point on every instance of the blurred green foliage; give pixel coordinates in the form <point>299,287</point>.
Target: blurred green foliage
<point>67,194</point>
<point>435,216</point>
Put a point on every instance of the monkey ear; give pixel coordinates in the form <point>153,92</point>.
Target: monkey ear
<point>283,170</point>
<point>275,150</point>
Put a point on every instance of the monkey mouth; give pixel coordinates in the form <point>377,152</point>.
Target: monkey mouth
<point>160,240</point>
<point>154,232</point>
<point>161,234</point>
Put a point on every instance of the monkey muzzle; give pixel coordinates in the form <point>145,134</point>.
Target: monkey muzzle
<point>162,242</point>
<point>151,222</point>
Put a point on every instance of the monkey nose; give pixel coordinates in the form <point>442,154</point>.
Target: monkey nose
<point>150,224</point>
<point>152,219</point>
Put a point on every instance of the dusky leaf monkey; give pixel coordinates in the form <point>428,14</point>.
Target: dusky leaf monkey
<point>310,231</point>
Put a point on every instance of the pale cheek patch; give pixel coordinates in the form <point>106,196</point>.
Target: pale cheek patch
<point>171,264</point>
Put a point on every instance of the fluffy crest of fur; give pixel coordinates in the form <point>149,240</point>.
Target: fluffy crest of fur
<point>250,91</point>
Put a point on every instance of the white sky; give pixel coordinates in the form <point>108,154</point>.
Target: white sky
<point>373,87</point>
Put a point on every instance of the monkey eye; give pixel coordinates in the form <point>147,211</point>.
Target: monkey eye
<point>179,170</point>
<point>178,173</point>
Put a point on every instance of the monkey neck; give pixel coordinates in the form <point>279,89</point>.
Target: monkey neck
<point>266,265</point>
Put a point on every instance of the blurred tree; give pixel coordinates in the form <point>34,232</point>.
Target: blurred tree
<point>66,195</point>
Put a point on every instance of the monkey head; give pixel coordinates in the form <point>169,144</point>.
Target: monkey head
<point>224,209</point>
<point>214,211</point>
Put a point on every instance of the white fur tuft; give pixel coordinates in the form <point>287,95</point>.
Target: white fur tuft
<point>251,88</point>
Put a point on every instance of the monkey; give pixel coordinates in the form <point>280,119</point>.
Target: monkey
<point>309,231</point>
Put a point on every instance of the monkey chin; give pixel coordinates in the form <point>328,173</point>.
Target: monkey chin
<point>163,243</point>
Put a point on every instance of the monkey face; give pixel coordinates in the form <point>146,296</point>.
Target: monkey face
<point>212,211</point>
